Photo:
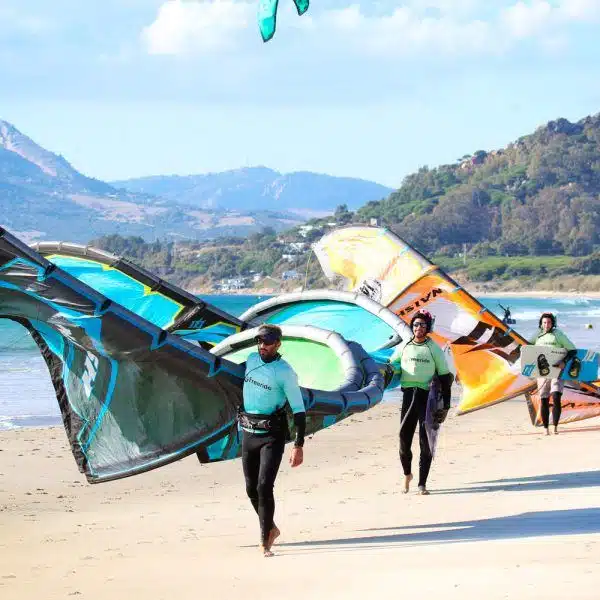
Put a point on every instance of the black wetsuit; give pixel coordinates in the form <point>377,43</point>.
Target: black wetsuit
<point>261,458</point>
<point>556,409</point>
<point>411,414</point>
<point>264,434</point>
<point>414,410</point>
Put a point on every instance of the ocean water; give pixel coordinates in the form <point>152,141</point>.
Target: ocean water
<point>27,397</point>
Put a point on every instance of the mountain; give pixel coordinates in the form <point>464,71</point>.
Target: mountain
<point>248,188</point>
<point>538,196</point>
<point>19,155</point>
<point>42,197</point>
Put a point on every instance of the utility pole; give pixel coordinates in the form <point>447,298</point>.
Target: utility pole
<point>464,253</point>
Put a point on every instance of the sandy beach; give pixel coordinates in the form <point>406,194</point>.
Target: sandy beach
<point>512,514</point>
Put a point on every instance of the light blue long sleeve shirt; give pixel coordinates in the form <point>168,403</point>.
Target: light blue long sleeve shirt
<point>267,386</point>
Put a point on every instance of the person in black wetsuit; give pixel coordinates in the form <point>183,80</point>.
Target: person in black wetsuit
<point>418,360</point>
<point>507,318</point>
<point>269,383</point>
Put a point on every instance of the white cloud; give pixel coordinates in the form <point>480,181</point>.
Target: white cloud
<point>348,19</point>
<point>525,20</point>
<point>405,31</point>
<point>446,7</point>
<point>451,27</point>
<point>458,28</point>
<point>581,10</point>
<point>183,27</point>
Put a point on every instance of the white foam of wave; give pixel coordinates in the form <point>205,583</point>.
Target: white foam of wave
<point>534,315</point>
<point>577,300</point>
<point>526,315</point>
<point>27,421</point>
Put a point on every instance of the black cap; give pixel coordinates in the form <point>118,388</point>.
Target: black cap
<point>269,333</point>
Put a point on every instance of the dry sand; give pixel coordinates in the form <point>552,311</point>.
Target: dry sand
<point>512,514</point>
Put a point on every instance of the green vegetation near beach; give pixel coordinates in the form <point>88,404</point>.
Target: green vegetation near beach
<point>526,216</point>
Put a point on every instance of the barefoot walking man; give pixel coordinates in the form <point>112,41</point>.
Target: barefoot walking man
<point>269,383</point>
<point>418,361</point>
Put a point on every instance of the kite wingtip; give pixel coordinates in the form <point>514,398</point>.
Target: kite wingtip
<point>266,35</point>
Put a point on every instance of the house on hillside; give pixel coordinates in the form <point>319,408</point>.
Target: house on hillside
<point>298,246</point>
<point>304,229</point>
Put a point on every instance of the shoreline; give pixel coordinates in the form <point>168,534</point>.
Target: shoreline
<point>474,291</point>
<point>534,294</point>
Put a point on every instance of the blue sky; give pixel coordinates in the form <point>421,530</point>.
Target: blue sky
<point>125,88</point>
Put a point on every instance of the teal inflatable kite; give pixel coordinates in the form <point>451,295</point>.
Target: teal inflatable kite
<point>145,373</point>
<point>267,16</point>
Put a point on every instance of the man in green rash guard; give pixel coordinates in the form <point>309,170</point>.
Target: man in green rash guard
<point>418,360</point>
<point>269,383</point>
<point>549,335</point>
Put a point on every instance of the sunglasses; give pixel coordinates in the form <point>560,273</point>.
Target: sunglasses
<point>265,341</point>
<point>419,324</point>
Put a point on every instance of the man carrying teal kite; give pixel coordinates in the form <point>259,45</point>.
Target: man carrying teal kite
<point>267,16</point>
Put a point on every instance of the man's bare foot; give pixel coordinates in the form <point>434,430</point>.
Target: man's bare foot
<point>556,431</point>
<point>423,491</point>
<point>273,535</point>
<point>547,431</point>
<point>265,547</point>
<point>407,479</point>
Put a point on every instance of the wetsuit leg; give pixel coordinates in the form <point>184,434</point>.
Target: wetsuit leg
<point>425,455</point>
<point>271,454</point>
<point>545,411</point>
<point>556,407</point>
<point>261,458</point>
<point>409,416</point>
<point>251,465</point>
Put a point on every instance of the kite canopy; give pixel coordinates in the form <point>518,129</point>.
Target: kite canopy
<point>267,16</point>
<point>485,352</point>
<point>579,402</point>
<point>351,314</point>
<point>128,358</point>
<point>133,396</point>
<point>138,290</point>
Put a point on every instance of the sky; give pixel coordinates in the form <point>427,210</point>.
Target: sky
<point>129,88</point>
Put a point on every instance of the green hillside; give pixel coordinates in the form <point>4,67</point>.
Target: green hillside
<point>538,196</point>
<point>523,217</point>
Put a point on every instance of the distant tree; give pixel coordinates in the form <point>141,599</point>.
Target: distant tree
<point>590,265</point>
<point>342,215</point>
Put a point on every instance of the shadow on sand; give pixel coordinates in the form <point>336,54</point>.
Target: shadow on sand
<point>562,430</point>
<point>526,525</point>
<point>581,479</point>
